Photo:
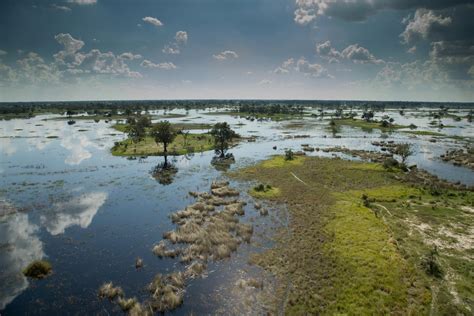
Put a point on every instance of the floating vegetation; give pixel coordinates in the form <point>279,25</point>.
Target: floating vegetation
<point>38,269</point>
<point>139,263</point>
<point>126,304</point>
<point>208,229</point>
<point>108,290</point>
<point>166,291</point>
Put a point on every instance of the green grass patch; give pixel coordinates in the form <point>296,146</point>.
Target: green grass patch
<point>273,117</point>
<point>424,133</point>
<point>264,192</point>
<point>366,125</point>
<point>280,161</point>
<point>148,146</point>
<point>345,255</point>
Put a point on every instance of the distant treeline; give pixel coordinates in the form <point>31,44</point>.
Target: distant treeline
<point>248,106</point>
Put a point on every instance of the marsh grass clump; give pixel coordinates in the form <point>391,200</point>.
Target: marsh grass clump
<point>167,291</point>
<point>108,290</point>
<point>38,269</point>
<point>139,263</point>
<point>126,304</point>
<point>195,270</point>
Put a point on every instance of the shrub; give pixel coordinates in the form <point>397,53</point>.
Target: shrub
<point>365,200</point>
<point>289,154</point>
<point>390,163</point>
<point>430,263</point>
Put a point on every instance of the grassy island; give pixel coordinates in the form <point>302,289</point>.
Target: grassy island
<point>362,240</point>
<point>180,146</point>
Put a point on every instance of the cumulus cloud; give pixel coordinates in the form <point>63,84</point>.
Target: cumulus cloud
<point>227,54</point>
<point>326,50</point>
<point>314,70</point>
<point>360,55</point>
<point>33,69</point>
<point>181,38</point>
<point>455,58</point>
<point>422,24</point>
<point>285,67</point>
<point>171,49</point>
<point>83,2</point>
<point>359,10</point>
<point>354,53</point>
<point>70,44</point>
<point>165,66</point>
<point>152,21</point>
<point>130,56</point>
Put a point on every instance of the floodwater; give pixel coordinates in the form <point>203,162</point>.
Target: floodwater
<point>65,198</point>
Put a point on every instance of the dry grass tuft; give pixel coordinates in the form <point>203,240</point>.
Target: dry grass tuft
<point>108,290</point>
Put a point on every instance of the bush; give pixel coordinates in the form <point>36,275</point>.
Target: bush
<point>365,200</point>
<point>390,163</point>
<point>289,154</point>
<point>431,265</point>
<point>259,188</point>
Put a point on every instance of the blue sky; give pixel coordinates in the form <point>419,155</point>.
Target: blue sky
<point>269,49</point>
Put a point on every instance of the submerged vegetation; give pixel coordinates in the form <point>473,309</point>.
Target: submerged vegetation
<point>343,254</point>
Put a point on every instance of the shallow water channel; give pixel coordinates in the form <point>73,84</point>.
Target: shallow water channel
<point>65,198</point>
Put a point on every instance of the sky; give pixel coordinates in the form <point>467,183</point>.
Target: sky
<point>406,50</point>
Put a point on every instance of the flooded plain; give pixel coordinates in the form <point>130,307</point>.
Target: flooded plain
<point>64,197</point>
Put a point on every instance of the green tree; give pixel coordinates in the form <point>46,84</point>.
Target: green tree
<point>136,132</point>
<point>404,151</point>
<point>222,134</point>
<point>164,133</point>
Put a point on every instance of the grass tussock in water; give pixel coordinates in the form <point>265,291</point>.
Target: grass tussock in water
<point>38,269</point>
<point>343,254</point>
<point>108,290</point>
<point>206,230</point>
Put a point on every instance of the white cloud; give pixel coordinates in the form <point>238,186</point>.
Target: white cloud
<point>304,15</point>
<point>33,69</point>
<point>61,7</point>
<point>227,54</point>
<point>171,49</point>
<point>153,21</point>
<point>130,56</point>
<point>354,53</point>
<point>360,55</point>
<point>83,2</point>
<point>2,52</point>
<point>412,50</point>
<point>285,67</point>
<point>181,37</point>
<point>314,70</point>
<point>359,10</point>
<point>70,44</point>
<point>166,66</point>
<point>422,24</point>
